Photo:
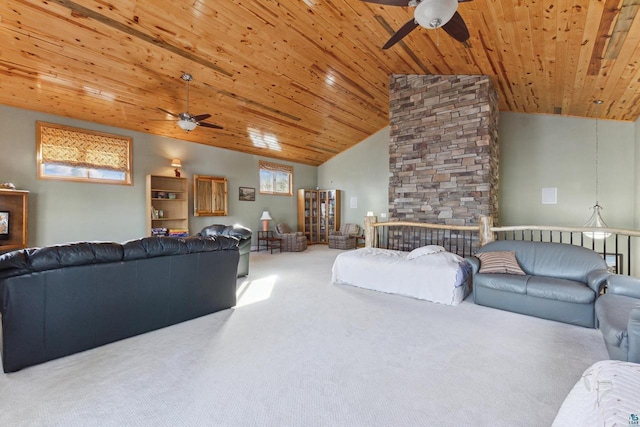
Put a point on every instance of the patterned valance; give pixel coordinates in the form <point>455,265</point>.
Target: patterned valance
<point>62,145</point>
<point>275,167</point>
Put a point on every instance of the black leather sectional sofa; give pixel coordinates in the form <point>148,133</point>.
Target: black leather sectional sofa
<point>60,300</point>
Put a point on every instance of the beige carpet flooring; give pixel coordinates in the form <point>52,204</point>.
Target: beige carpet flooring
<point>300,351</point>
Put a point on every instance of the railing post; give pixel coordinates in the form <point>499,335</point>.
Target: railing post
<point>485,234</point>
<point>369,231</point>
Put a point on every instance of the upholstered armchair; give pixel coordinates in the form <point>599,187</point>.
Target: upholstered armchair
<point>292,241</point>
<point>345,238</point>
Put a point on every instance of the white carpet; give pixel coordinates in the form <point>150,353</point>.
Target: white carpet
<point>300,351</point>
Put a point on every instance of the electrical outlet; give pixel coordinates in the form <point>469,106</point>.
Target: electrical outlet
<point>383,215</point>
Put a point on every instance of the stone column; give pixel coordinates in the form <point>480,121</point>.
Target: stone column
<point>443,151</point>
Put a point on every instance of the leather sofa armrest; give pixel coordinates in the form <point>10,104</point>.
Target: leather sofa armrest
<point>597,279</point>
<point>475,264</point>
<point>633,329</point>
<point>624,285</point>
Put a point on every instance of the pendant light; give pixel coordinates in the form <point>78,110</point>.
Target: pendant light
<point>596,220</point>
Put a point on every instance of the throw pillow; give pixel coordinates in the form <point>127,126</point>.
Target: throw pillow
<point>283,229</point>
<point>501,262</point>
<point>425,250</point>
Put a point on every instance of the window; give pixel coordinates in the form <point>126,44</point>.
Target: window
<point>72,154</point>
<point>276,179</point>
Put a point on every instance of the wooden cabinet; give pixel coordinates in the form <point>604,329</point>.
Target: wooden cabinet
<point>167,205</point>
<point>318,214</point>
<point>13,219</point>
<point>210,196</point>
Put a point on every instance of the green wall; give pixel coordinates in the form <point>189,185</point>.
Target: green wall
<point>69,211</point>
<point>544,151</point>
<point>536,151</point>
<point>362,173</point>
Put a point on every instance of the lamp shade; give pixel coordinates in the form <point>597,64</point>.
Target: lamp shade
<point>596,222</point>
<point>435,13</point>
<point>176,163</point>
<point>187,125</point>
<point>265,216</point>
<point>370,213</point>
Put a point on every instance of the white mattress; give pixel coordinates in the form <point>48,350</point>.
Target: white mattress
<point>607,394</point>
<point>437,277</point>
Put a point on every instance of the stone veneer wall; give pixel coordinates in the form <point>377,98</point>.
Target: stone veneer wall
<point>444,149</point>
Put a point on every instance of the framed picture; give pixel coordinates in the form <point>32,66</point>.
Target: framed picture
<point>4,225</point>
<point>247,194</point>
<point>614,263</point>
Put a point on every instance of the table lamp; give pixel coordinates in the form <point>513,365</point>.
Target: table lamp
<point>176,163</point>
<point>265,218</point>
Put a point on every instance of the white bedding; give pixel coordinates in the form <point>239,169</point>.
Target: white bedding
<point>607,394</point>
<point>437,277</point>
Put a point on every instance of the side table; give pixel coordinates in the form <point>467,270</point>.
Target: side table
<point>270,242</point>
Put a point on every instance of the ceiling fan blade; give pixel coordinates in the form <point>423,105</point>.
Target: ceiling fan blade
<point>209,125</point>
<point>389,2</point>
<point>201,117</point>
<point>456,28</point>
<point>399,2</point>
<point>401,33</point>
<point>168,112</point>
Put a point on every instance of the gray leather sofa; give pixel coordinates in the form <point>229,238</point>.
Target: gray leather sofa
<point>618,313</point>
<point>60,300</point>
<point>561,282</point>
<point>243,234</point>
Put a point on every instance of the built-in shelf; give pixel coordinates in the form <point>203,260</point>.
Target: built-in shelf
<point>13,215</point>
<point>167,204</point>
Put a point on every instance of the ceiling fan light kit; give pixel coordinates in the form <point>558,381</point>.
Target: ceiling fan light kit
<point>186,121</point>
<point>187,125</point>
<point>435,13</point>
<point>430,14</point>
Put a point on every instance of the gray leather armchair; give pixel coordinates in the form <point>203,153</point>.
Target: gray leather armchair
<point>618,312</point>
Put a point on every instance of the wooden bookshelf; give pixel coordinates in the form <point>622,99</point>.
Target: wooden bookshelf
<point>167,203</point>
<point>318,214</point>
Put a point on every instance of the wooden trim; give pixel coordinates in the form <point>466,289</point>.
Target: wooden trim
<point>426,225</point>
<point>632,233</point>
<point>128,180</point>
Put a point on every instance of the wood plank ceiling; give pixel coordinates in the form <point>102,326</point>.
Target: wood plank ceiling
<point>303,80</point>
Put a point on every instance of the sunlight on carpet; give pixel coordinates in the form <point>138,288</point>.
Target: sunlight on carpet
<point>252,291</point>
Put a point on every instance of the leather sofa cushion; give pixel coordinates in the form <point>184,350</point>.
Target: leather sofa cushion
<point>237,231</point>
<point>67,255</point>
<point>560,289</point>
<point>212,230</point>
<point>25,261</point>
<point>612,312</point>
<point>502,282</point>
<point>150,247</point>
<point>559,260</point>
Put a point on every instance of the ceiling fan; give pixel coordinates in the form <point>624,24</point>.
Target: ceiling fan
<point>429,14</point>
<point>185,120</point>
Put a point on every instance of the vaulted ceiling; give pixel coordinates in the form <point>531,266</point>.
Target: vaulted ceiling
<point>303,80</point>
